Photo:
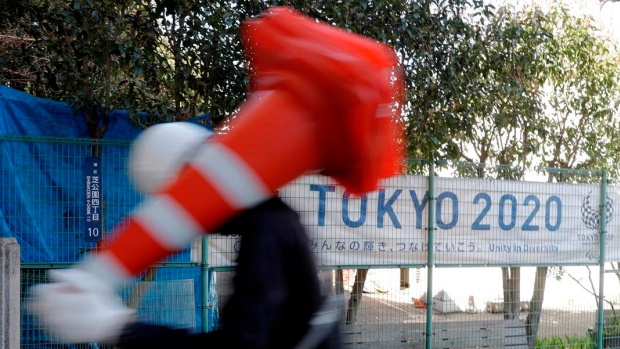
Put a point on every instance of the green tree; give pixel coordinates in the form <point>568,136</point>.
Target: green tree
<point>166,59</point>
<point>505,104</point>
<point>175,58</point>
<point>506,100</point>
<point>547,97</point>
<point>581,104</point>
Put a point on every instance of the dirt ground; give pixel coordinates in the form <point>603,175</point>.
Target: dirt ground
<point>396,306</point>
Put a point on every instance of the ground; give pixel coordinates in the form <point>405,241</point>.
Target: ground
<point>396,306</point>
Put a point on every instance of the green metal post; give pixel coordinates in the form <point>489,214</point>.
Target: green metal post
<point>431,255</point>
<point>601,282</point>
<point>204,274</point>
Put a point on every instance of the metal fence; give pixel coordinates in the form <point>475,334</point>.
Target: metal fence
<point>461,256</point>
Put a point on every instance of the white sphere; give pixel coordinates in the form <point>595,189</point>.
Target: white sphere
<point>158,154</point>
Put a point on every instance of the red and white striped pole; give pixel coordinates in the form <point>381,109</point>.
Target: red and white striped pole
<point>322,100</point>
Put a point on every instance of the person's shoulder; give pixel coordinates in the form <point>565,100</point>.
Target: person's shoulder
<point>274,203</point>
<point>273,209</point>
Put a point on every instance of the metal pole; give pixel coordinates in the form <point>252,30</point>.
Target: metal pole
<point>9,294</point>
<point>204,274</point>
<point>601,267</point>
<point>431,254</point>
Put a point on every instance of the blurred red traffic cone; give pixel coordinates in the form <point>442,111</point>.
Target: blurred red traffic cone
<point>321,100</point>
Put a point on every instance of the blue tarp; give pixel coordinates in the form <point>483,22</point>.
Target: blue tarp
<point>23,114</point>
<point>42,185</point>
<point>41,201</point>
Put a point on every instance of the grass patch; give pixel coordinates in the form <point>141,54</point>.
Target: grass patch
<point>566,342</point>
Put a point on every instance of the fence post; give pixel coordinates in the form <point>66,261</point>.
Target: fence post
<point>205,287</point>
<point>431,254</point>
<point>601,283</point>
<point>9,294</point>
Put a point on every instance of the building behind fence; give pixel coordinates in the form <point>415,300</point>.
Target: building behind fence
<point>427,261</point>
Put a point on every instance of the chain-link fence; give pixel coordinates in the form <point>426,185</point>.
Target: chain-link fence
<point>459,256</point>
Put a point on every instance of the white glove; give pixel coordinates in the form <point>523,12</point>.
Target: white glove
<point>79,308</point>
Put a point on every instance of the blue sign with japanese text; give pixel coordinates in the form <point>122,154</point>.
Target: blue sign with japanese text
<point>93,199</point>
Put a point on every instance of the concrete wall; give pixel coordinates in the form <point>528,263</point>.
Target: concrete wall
<point>9,294</point>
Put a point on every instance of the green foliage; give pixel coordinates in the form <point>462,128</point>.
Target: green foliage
<point>505,101</point>
<point>612,326</point>
<point>567,342</point>
<point>432,39</point>
<point>547,93</point>
<point>519,88</point>
<point>169,59</point>
<point>178,58</point>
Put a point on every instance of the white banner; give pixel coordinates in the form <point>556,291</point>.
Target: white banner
<point>477,221</point>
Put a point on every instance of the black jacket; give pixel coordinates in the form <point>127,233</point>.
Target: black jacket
<point>276,290</point>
